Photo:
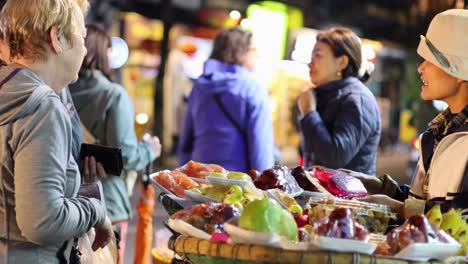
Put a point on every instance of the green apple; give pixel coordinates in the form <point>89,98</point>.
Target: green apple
<point>234,195</point>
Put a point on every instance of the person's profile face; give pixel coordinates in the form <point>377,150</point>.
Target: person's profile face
<point>323,66</point>
<point>250,58</point>
<point>73,57</point>
<point>436,83</point>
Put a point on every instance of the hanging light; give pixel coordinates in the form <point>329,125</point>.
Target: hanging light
<point>119,53</point>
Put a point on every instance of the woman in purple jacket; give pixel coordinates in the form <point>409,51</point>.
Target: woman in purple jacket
<point>228,121</point>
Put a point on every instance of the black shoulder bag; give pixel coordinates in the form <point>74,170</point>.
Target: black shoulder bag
<point>217,98</point>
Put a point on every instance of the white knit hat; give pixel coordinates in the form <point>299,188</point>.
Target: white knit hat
<point>446,42</point>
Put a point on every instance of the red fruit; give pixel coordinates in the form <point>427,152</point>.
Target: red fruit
<point>302,220</point>
<point>254,174</point>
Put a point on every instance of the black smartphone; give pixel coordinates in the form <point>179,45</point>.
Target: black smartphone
<point>110,158</point>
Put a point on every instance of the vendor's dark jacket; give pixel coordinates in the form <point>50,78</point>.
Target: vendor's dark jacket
<point>344,132</point>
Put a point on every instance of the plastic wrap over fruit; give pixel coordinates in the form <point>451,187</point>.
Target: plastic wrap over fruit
<point>339,183</point>
<point>299,173</point>
<point>278,177</point>
<point>374,217</point>
<point>200,170</point>
<point>341,224</point>
<point>209,217</point>
<point>416,229</point>
<point>175,182</point>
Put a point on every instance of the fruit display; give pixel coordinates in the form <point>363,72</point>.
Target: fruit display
<point>200,170</point>
<point>175,182</point>
<point>451,222</point>
<point>374,217</point>
<point>341,224</point>
<point>339,183</point>
<point>266,215</point>
<point>299,173</point>
<point>209,217</point>
<point>278,177</point>
<point>416,229</point>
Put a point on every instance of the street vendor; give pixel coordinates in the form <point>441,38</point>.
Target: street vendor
<point>442,174</point>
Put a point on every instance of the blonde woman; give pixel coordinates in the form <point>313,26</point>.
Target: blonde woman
<point>40,212</point>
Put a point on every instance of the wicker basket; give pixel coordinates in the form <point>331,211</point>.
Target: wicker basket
<point>200,251</point>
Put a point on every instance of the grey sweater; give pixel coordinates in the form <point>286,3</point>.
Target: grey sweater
<point>39,179</point>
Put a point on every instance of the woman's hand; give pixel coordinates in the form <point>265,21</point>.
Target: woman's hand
<point>307,102</point>
<point>104,234</point>
<point>92,170</point>
<point>154,143</point>
<point>394,205</point>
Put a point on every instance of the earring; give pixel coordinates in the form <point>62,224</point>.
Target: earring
<point>338,73</point>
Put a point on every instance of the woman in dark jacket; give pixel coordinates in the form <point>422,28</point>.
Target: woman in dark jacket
<point>341,121</point>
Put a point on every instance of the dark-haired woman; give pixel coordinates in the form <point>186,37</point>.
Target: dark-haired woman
<point>228,121</point>
<point>341,121</point>
<point>106,111</point>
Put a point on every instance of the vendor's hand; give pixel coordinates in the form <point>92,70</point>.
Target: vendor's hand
<point>372,183</point>
<point>154,143</point>
<point>92,170</point>
<point>394,205</point>
<point>104,234</point>
<point>307,102</point>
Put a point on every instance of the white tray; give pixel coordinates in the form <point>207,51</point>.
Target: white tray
<point>187,229</point>
<point>426,251</point>
<point>242,236</point>
<point>344,245</point>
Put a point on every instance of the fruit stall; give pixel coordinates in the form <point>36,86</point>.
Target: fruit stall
<point>299,215</point>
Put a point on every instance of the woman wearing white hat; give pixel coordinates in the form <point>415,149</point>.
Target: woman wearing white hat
<point>442,175</point>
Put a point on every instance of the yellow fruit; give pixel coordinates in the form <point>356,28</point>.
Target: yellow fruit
<point>452,221</point>
<point>434,215</point>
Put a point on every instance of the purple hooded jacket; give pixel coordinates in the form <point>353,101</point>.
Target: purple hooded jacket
<point>209,136</point>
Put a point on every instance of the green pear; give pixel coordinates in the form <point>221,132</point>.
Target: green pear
<point>266,215</point>
<point>434,215</point>
<point>452,221</point>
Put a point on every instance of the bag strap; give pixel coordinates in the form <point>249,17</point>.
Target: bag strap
<point>2,82</point>
<point>87,135</point>
<point>13,73</point>
<point>217,98</point>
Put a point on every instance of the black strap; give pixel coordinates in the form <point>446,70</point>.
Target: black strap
<point>217,98</point>
<point>13,73</point>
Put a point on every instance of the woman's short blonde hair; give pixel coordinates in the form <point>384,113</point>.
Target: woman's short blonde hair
<point>25,24</point>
